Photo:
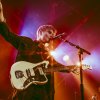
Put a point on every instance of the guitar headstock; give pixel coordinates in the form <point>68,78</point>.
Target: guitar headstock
<point>85,66</point>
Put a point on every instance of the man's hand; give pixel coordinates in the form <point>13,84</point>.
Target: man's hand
<point>1,6</point>
<point>2,19</point>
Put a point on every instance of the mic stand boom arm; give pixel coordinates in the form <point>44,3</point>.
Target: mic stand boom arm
<point>80,53</point>
<point>76,46</point>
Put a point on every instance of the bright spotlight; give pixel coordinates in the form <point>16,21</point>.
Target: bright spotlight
<point>52,53</point>
<point>66,58</point>
<point>78,63</point>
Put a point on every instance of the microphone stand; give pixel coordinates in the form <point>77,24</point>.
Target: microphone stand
<point>80,54</point>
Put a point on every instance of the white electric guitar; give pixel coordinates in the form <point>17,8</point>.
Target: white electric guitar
<point>23,73</point>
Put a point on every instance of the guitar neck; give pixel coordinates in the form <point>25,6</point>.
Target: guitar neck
<point>59,69</point>
<point>66,68</point>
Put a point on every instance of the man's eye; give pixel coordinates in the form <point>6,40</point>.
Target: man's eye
<point>49,32</point>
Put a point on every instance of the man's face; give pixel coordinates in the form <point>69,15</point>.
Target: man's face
<point>46,36</point>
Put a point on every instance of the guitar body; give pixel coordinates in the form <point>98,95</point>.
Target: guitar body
<point>23,74</point>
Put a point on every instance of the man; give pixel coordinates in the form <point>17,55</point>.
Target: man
<point>33,52</point>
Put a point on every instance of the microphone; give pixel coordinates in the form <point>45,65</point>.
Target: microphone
<point>58,36</point>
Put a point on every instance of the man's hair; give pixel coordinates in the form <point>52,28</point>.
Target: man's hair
<point>44,28</point>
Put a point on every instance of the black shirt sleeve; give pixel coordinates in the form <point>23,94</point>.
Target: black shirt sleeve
<point>12,38</point>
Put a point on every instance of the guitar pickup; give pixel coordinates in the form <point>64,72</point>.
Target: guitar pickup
<point>41,71</point>
<point>19,74</point>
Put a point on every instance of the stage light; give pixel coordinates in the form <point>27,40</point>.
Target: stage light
<point>66,58</point>
<point>52,53</point>
<point>78,64</point>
